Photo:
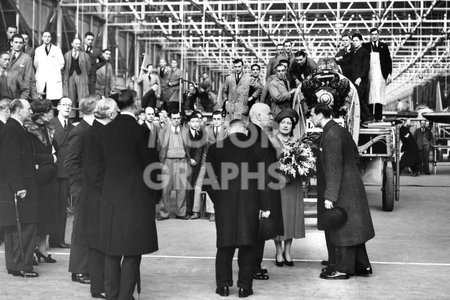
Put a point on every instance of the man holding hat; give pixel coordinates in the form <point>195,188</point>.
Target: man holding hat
<point>342,186</point>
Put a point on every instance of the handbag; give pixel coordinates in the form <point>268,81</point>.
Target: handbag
<point>266,229</point>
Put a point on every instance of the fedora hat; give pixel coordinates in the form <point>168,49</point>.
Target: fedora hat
<point>333,218</point>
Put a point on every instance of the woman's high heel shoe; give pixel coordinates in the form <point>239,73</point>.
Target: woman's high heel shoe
<point>278,263</point>
<point>287,262</point>
<point>47,259</point>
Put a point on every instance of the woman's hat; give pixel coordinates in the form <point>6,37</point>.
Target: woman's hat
<point>287,113</point>
<point>333,218</point>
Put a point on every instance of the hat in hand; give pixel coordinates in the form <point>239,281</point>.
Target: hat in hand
<point>46,173</point>
<point>333,218</point>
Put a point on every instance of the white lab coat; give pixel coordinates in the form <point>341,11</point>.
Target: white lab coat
<point>48,71</point>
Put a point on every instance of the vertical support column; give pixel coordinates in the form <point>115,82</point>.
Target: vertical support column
<point>127,57</point>
<point>180,96</point>
<point>105,26</point>
<point>136,60</point>
<point>59,19</point>
<point>116,53</point>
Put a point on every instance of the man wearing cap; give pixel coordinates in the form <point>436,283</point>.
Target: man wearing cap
<point>341,186</point>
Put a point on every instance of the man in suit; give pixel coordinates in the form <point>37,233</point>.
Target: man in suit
<point>79,255</point>
<point>27,48</point>
<point>127,207</point>
<point>148,78</point>
<point>260,122</point>
<point>104,83</point>
<point>6,40</point>
<point>163,72</point>
<point>280,91</point>
<point>21,70</point>
<point>63,127</point>
<point>173,147</point>
<point>150,98</point>
<point>77,70</point>
<point>344,188</point>
<point>93,53</point>
<point>17,179</point>
<point>360,75</point>
<point>379,73</point>
<point>174,82</point>
<point>7,83</point>
<point>197,143</point>
<point>425,140</point>
<point>344,56</point>
<point>214,132</point>
<point>256,85</point>
<point>106,110</point>
<point>274,61</point>
<point>237,202</point>
<point>153,129</point>
<point>236,92</point>
<point>48,62</point>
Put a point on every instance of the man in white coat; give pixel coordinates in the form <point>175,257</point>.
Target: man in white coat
<point>49,61</point>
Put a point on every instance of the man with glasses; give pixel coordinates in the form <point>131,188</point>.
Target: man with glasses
<point>174,155</point>
<point>236,92</point>
<point>280,91</point>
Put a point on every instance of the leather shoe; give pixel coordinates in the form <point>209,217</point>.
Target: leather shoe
<point>365,272</point>
<point>324,262</point>
<point>287,262</point>
<point>27,274</point>
<point>223,291</point>
<point>162,218</point>
<point>334,275</point>
<point>244,293</point>
<point>182,217</point>
<point>81,278</point>
<point>98,295</point>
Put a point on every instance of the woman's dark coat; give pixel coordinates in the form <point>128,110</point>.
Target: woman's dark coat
<point>343,186</point>
<point>236,198</point>
<point>46,192</point>
<point>127,207</point>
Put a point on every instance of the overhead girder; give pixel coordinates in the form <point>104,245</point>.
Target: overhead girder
<point>217,31</point>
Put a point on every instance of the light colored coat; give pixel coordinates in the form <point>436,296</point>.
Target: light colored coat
<point>280,95</point>
<point>21,70</point>
<point>48,71</point>
<point>236,95</point>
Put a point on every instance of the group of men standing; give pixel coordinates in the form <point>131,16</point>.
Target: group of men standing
<point>44,72</point>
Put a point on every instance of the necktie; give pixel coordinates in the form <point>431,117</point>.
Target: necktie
<point>65,124</point>
<point>75,54</point>
<point>14,56</point>
<point>47,49</point>
<point>237,78</point>
<point>216,130</point>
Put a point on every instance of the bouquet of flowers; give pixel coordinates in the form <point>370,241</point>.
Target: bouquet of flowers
<point>297,159</point>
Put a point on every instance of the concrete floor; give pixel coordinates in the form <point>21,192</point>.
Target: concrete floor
<point>409,257</point>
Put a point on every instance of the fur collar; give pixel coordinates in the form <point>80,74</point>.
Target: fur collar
<point>34,129</point>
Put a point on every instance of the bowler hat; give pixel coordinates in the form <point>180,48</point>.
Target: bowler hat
<point>333,218</point>
<point>46,173</point>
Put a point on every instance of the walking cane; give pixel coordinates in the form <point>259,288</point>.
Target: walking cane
<point>19,230</point>
<point>138,283</point>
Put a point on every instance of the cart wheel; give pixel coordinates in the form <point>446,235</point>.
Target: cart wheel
<point>388,188</point>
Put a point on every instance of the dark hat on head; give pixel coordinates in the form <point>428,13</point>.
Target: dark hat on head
<point>333,218</point>
<point>46,173</point>
<point>287,113</point>
<point>41,106</point>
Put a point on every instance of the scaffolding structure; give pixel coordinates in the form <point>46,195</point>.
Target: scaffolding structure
<point>207,34</point>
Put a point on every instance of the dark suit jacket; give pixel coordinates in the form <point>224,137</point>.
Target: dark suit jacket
<point>127,223</point>
<point>360,65</point>
<point>385,56</point>
<point>149,99</point>
<point>196,145</point>
<point>61,143</point>
<point>17,172</point>
<point>153,135</point>
<point>266,153</point>
<point>74,158</point>
<point>346,61</point>
<point>85,67</point>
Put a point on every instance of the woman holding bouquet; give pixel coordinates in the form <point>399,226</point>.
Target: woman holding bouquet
<point>292,192</point>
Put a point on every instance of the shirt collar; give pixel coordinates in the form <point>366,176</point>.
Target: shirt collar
<point>175,128</point>
<point>61,120</point>
<point>89,119</point>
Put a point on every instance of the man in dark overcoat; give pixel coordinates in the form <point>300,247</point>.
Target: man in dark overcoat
<point>260,121</point>
<point>79,254</point>
<point>344,188</point>
<point>237,202</point>
<point>63,127</point>
<point>106,110</point>
<point>360,75</point>
<point>17,180</point>
<point>127,207</point>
